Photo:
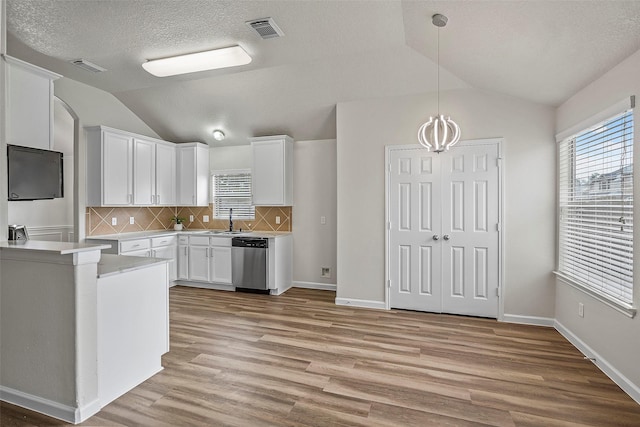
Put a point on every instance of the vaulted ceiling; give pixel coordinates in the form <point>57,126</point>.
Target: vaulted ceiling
<point>332,51</point>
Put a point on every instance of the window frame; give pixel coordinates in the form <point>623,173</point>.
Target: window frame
<point>214,198</point>
<point>569,136</point>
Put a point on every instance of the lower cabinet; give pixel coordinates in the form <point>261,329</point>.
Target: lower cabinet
<point>208,259</point>
<point>183,260</point>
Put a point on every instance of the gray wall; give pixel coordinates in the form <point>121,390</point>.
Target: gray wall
<point>365,127</point>
<point>610,335</point>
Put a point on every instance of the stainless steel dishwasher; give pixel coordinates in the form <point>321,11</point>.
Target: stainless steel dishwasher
<point>249,264</point>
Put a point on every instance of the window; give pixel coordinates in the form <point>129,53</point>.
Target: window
<point>232,190</point>
<point>596,209</point>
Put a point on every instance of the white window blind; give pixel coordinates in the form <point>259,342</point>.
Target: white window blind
<point>232,190</point>
<point>596,208</point>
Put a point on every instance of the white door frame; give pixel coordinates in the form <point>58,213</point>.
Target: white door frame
<point>387,272</point>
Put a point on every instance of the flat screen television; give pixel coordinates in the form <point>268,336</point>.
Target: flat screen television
<point>34,174</point>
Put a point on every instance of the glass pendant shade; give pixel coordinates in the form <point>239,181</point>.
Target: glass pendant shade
<point>439,134</point>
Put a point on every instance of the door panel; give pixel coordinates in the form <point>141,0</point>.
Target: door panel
<point>470,256</point>
<point>414,179</point>
<point>452,196</point>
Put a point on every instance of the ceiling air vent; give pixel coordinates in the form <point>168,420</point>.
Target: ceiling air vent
<point>87,66</point>
<point>266,28</point>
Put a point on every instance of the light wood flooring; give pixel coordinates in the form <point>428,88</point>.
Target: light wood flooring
<point>299,360</point>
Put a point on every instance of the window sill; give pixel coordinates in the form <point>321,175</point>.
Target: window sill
<point>627,310</point>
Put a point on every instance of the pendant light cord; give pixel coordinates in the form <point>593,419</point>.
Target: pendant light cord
<point>438,71</point>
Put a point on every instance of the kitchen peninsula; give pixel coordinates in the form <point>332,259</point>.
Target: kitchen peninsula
<point>78,328</point>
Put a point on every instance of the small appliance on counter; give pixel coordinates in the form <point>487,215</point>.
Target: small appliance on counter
<point>18,232</point>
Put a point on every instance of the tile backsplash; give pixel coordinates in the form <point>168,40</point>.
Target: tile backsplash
<point>98,220</point>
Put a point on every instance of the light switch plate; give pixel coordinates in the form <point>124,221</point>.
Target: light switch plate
<point>132,220</point>
<point>277,220</point>
<point>323,220</point>
<point>190,218</point>
<point>114,221</point>
<point>205,218</point>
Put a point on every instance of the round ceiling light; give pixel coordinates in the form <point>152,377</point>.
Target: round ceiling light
<point>218,135</point>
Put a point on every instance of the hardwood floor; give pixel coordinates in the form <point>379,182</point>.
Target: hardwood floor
<point>299,360</point>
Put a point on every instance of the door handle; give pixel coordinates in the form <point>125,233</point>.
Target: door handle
<point>436,237</point>
<point>446,237</point>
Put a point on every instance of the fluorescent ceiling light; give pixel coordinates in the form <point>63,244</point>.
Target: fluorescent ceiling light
<point>202,61</point>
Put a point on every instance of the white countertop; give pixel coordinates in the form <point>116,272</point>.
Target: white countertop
<point>158,233</point>
<point>62,248</point>
<point>116,264</point>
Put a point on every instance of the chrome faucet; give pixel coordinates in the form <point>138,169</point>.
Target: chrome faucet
<point>230,220</point>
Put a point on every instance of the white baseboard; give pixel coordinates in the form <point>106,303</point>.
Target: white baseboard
<point>363,303</point>
<point>623,382</point>
<point>49,407</point>
<point>204,285</point>
<point>528,320</point>
<point>315,285</point>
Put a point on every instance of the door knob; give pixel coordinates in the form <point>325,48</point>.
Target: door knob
<point>446,237</point>
<point>436,237</point>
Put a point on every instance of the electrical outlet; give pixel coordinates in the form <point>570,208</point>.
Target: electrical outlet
<point>277,220</point>
<point>580,309</point>
<point>323,220</point>
<point>132,220</point>
<point>205,218</point>
<point>114,221</point>
<point>325,272</point>
<point>190,218</point>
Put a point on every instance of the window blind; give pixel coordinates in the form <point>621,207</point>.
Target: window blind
<point>232,191</point>
<point>596,208</point>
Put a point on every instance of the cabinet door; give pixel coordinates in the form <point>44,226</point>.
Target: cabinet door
<point>117,164</point>
<point>140,253</point>
<point>168,252</point>
<point>144,172</point>
<point>199,263</point>
<point>220,261</point>
<point>183,262</point>
<point>268,173</point>
<point>165,175</point>
<point>187,176</point>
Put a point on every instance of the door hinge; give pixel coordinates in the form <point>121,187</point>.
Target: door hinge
<point>499,161</point>
<point>388,225</point>
<point>388,167</point>
<point>498,292</point>
<point>389,283</point>
<point>498,226</point>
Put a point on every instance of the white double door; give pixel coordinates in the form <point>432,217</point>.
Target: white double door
<point>443,212</point>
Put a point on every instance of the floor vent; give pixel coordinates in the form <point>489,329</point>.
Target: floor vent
<point>87,66</point>
<point>266,28</point>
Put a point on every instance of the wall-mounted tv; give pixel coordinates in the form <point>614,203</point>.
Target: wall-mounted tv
<point>34,174</point>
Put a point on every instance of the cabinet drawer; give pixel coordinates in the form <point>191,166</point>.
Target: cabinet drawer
<point>134,245</point>
<point>220,241</point>
<point>163,241</point>
<point>183,240</point>
<point>199,240</point>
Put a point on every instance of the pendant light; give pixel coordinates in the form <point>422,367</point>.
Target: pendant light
<point>439,133</point>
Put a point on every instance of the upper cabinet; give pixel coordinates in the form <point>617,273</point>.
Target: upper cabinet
<point>126,169</point>
<point>193,174</point>
<point>272,174</point>
<point>29,97</point>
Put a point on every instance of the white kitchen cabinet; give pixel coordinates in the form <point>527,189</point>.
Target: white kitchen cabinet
<point>209,259</point>
<point>165,247</point>
<point>183,257</point>
<point>144,171</point>
<point>220,260</point>
<point>126,169</point>
<point>29,101</point>
<point>109,167</point>
<point>199,263</point>
<point>272,173</point>
<point>193,174</point>
<point>165,194</point>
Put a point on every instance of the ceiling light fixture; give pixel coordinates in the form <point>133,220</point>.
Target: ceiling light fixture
<point>439,133</point>
<point>201,61</point>
<point>218,135</point>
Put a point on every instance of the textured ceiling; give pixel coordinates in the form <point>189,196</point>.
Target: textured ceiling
<point>333,51</point>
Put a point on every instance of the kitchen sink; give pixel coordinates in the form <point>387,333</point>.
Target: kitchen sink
<point>226,233</point>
